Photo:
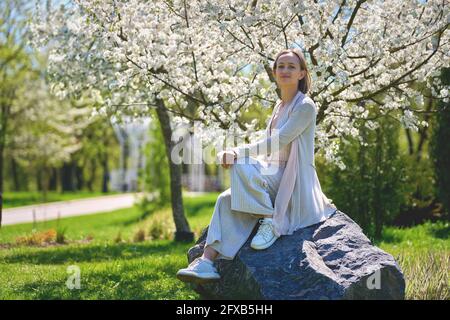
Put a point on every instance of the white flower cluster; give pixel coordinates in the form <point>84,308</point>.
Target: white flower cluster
<point>409,120</point>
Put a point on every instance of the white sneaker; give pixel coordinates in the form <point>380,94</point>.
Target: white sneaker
<point>199,271</point>
<point>265,236</point>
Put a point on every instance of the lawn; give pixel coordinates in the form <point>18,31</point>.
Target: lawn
<point>121,256</point>
<point>423,253</point>
<point>25,198</point>
<point>108,249</point>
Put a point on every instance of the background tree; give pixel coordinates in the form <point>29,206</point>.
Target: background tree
<point>46,132</point>
<point>15,64</point>
<point>208,62</point>
<point>89,167</point>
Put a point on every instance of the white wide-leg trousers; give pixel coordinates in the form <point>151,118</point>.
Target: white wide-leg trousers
<point>254,185</point>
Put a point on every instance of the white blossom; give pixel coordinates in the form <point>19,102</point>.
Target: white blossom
<point>212,55</point>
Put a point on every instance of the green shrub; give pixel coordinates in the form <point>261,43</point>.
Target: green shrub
<point>419,182</point>
<point>372,187</point>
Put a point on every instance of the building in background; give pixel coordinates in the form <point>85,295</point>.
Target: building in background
<point>133,136</point>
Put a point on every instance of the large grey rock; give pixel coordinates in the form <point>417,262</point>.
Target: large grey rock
<point>330,260</point>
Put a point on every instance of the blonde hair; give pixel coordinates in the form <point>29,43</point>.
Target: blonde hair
<point>304,85</point>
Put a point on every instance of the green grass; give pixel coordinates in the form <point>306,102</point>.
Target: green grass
<point>109,269</point>
<point>423,253</point>
<point>22,198</point>
<point>113,266</point>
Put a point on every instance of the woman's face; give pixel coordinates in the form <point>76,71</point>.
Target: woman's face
<point>288,71</point>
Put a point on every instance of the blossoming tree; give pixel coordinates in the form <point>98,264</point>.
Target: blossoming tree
<point>206,62</point>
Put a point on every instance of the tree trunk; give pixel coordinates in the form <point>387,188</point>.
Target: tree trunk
<point>410,142</point>
<point>90,181</point>
<point>183,231</point>
<point>422,139</point>
<point>105,173</point>
<point>78,175</point>
<point>39,180</point>
<point>423,132</point>
<point>15,175</point>
<point>67,177</point>
<point>45,182</point>
<point>53,183</point>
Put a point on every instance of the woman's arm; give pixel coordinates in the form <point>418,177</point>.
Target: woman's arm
<point>299,120</point>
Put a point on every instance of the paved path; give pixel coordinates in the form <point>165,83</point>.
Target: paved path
<point>79,207</point>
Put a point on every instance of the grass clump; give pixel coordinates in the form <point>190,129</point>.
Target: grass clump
<point>38,238</point>
<point>426,275</point>
<point>139,236</point>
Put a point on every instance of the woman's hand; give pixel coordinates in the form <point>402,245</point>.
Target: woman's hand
<point>227,159</point>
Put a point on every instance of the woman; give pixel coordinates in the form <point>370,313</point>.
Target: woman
<point>283,189</point>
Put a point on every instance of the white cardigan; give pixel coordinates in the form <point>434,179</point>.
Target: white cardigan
<point>300,201</point>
